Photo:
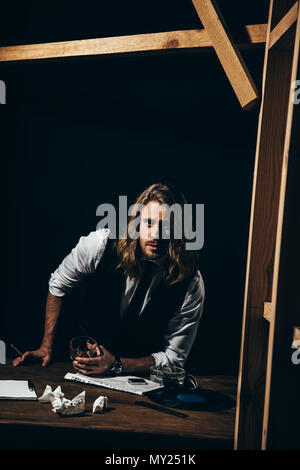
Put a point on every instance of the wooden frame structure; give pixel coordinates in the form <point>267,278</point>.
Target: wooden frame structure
<point>260,344</point>
<point>270,304</point>
<point>214,35</point>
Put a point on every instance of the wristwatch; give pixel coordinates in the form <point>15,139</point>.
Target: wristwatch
<point>117,366</point>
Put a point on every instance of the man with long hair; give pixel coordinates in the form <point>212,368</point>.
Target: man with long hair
<point>144,295</point>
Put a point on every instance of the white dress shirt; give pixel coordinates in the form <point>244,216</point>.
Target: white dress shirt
<point>181,328</point>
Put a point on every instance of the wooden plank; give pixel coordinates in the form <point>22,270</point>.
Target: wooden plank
<point>281,28</point>
<point>262,237</point>
<point>282,7</point>
<point>268,311</point>
<point>263,244</point>
<point>255,34</point>
<point>227,52</point>
<point>241,410</point>
<point>246,36</point>
<point>281,411</point>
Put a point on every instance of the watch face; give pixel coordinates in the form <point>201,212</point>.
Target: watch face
<point>117,367</point>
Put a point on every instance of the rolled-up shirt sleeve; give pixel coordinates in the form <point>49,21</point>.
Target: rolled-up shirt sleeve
<point>182,327</point>
<point>82,260</point>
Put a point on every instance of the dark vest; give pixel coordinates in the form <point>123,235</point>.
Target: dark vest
<point>101,319</point>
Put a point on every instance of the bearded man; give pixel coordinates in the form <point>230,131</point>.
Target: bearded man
<point>144,296</point>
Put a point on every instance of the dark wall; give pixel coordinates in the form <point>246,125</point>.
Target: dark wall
<point>34,21</point>
<point>81,132</point>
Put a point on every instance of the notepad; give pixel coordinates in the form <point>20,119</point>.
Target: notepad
<point>17,390</point>
<point>116,383</point>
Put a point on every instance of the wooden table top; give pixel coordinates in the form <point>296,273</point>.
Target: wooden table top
<point>123,415</point>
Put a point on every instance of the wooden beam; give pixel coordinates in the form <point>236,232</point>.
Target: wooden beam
<point>268,311</point>
<point>262,239</point>
<point>270,162</point>
<point>246,36</point>
<point>285,292</point>
<point>227,52</point>
<point>282,27</point>
<point>247,377</point>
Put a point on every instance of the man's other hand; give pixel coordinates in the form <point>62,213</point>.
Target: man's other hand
<point>98,365</point>
<point>42,355</point>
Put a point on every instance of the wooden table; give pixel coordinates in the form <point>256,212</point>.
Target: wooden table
<point>32,425</point>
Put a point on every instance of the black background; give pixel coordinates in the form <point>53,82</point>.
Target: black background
<point>77,133</point>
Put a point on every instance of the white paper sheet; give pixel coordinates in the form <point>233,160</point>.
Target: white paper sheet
<point>16,390</point>
<point>116,383</point>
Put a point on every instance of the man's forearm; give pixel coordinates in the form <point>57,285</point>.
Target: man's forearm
<point>53,307</point>
<point>137,365</point>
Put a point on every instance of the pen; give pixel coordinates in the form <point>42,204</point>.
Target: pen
<point>16,349</point>
<point>160,408</point>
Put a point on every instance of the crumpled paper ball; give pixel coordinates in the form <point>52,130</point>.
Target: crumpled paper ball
<point>49,395</point>
<point>61,405</point>
<point>100,404</point>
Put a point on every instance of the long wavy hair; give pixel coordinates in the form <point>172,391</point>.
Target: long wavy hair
<point>182,264</point>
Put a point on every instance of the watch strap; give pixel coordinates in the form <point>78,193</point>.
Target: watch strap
<point>116,367</point>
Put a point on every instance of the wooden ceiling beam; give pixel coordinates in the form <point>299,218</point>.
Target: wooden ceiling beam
<point>227,52</point>
<point>246,37</point>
